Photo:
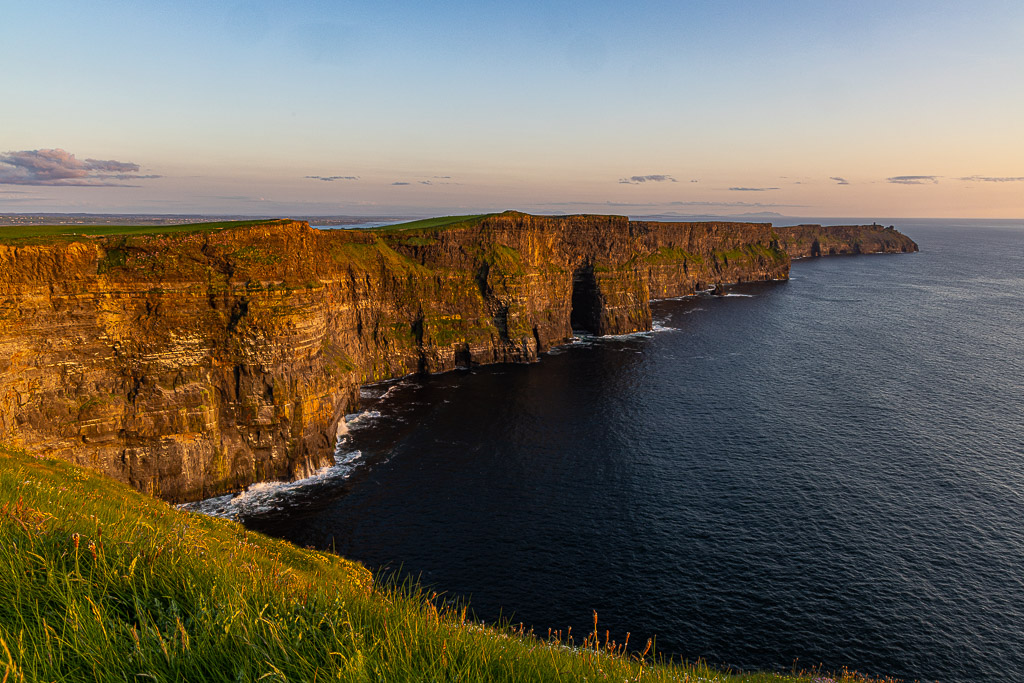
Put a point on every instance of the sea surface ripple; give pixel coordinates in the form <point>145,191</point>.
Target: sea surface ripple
<point>828,470</point>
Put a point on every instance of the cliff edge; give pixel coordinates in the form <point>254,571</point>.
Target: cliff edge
<point>193,363</point>
<point>808,241</point>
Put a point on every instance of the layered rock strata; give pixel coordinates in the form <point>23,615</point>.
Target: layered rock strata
<point>192,364</point>
<point>806,241</point>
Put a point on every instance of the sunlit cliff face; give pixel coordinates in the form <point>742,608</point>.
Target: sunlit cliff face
<point>196,361</point>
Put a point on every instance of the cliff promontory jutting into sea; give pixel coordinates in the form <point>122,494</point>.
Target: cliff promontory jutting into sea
<point>195,362</point>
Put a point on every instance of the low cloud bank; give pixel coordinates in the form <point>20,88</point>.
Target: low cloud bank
<point>992,179</point>
<point>58,167</point>
<point>332,178</point>
<point>914,179</point>
<point>654,178</point>
<point>698,204</point>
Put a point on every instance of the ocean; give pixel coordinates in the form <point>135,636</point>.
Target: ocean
<point>826,471</point>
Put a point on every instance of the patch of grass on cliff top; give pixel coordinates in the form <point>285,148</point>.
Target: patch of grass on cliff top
<point>38,234</point>
<point>432,223</point>
<point>99,582</point>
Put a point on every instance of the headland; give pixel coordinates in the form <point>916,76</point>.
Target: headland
<point>192,360</point>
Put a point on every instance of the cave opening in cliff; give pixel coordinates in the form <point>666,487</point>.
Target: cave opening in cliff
<point>586,301</point>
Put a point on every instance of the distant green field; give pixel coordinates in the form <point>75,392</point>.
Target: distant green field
<point>51,233</point>
<point>432,223</point>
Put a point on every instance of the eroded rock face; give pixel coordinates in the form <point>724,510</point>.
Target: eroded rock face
<point>806,241</point>
<point>193,364</point>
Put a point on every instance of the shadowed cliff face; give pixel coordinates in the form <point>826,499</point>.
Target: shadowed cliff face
<point>196,363</point>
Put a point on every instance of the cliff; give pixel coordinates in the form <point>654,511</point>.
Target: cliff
<point>193,363</point>
<point>805,241</point>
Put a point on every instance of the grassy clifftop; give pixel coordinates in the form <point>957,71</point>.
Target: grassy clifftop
<point>33,234</point>
<point>99,582</point>
<point>43,234</point>
<point>437,223</point>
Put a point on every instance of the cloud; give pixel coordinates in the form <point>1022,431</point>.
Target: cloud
<point>756,205</point>
<point>914,180</point>
<point>20,198</point>
<point>744,205</point>
<point>990,179</point>
<point>332,178</point>
<point>839,181</point>
<point>400,183</point>
<point>604,203</point>
<point>230,197</point>
<point>751,189</point>
<point>425,182</point>
<point>656,178</point>
<point>443,177</point>
<point>59,167</point>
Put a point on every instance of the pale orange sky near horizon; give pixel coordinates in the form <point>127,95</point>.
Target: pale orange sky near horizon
<point>906,109</point>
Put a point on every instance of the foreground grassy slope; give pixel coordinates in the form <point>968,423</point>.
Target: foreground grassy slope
<point>99,582</point>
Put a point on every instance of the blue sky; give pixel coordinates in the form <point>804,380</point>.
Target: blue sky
<point>838,108</point>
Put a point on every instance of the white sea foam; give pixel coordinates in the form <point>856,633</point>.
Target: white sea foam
<point>745,296</point>
<point>630,335</point>
<point>585,339</point>
<point>361,420</point>
<point>580,339</point>
<point>267,496</point>
<point>390,390</point>
<point>383,389</point>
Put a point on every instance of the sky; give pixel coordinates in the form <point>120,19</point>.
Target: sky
<point>835,108</point>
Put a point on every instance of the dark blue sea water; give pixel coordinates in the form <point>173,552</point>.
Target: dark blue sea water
<point>829,469</point>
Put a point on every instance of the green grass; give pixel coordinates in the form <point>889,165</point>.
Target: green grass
<point>431,223</point>
<point>33,234</point>
<point>51,233</point>
<point>252,254</point>
<point>672,256</point>
<point>750,253</point>
<point>101,583</point>
<point>374,255</point>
